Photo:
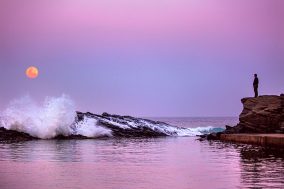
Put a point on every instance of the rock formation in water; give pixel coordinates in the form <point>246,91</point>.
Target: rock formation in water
<point>264,114</point>
<point>13,136</point>
<point>126,126</point>
<point>118,126</point>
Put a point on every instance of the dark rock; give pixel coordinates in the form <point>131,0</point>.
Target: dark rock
<point>141,130</point>
<point>62,137</point>
<point>228,127</point>
<point>235,129</point>
<point>120,126</point>
<point>211,136</point>
<point>264,114</point>
<point>13,136</point>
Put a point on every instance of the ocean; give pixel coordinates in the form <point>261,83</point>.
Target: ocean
<point>141,163</point>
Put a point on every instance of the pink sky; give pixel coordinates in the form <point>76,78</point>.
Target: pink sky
<point>162,58</point>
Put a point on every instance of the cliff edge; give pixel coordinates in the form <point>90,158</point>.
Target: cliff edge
<point>264,114</point>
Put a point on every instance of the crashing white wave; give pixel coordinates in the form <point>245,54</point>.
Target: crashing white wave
<point>55,116</point>
<point>89,128</point>
<point>47,120</point>
<point>130,123</point>
<point>206,130</point>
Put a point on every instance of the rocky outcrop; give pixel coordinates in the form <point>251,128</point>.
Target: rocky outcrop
<point>13,136</point>
<point>127,126</point>
<point>264,114</point>
<point>118,126</point>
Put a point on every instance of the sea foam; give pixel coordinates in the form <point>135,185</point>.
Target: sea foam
<point>89,128</point>
<point>55,116</point>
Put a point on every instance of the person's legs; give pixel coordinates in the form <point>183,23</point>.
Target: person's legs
<point>255,91</point>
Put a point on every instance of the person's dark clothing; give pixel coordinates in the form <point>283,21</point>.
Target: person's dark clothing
<point>255,86</point>
<point>256,81</point>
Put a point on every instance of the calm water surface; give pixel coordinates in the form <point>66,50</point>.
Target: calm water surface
<point>193,122</point>
<point>167,162</point>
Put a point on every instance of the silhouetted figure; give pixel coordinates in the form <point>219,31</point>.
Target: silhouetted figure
<point>255,85</point>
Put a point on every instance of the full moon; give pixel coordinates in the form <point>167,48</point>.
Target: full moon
<point>32,72</point>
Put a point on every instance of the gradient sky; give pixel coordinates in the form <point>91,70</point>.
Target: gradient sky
<point>143,57</point>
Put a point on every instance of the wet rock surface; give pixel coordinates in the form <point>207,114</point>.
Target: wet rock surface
<point>264,114</point>
<point>120,126</point>
<point>127,126</point>
<point>13,136</point>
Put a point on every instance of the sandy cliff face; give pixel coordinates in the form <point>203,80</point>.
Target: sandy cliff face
<point>264,114</point>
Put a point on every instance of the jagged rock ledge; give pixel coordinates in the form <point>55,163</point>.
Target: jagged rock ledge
<point>264,114</point>
<point>13,136</point>
<point>261,121</point>
<point>120,126</point>
<point>10,136</point>
<point>125,128</point>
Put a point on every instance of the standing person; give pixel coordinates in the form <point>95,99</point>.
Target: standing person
<point>255,85</point>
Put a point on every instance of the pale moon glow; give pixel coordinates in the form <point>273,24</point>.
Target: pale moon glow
<point>32,72</point>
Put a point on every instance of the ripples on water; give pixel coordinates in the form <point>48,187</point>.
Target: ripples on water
<point>138,163</point>
<point>193,122</point>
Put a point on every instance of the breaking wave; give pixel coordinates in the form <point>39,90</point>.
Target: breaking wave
<point>89,128</point>
<point>57,116</point>
<point>47,120</point>
<point>207,130</point>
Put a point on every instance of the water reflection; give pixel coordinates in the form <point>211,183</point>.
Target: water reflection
<point>111,150</point>
<point>52,150</point>
<point>259,167</point>
<point>262,168</point>
<point>139,163</point>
